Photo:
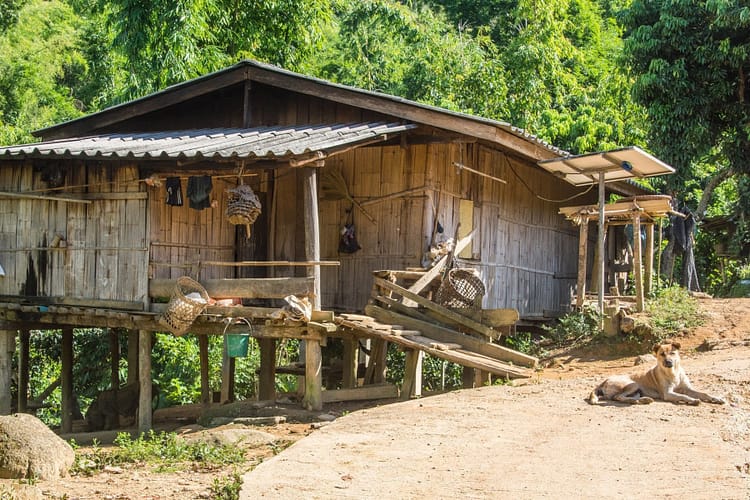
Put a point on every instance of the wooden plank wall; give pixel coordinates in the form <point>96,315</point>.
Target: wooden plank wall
<point>182,237</point>
<point>525,252</point>
<point>104,241</point>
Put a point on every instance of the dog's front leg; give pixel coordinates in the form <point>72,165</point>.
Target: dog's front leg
<point>703,396</point>
<point>675,397</point>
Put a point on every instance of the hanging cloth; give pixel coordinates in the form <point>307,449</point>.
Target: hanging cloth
<point>348,240</point>
<point>199,191</point>
<point>174,191</point>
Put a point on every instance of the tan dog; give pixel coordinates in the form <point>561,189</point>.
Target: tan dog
<point>667,381</point>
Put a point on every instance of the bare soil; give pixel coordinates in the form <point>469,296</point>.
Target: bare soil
<point>536,438</point>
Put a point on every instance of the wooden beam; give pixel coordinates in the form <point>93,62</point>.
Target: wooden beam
<point>66,375</point>
<point>378,391</point>
<point>144,381</point>
<point>132,356</point>
<point>638,263</point>
<point>443,311</point>
<point>247,288</point>
<point>583,241</point>
<point>227,375</point>
<point>313,399</point>
<point>649,259</point>
<point>312,230</point>
<point>447,335</point>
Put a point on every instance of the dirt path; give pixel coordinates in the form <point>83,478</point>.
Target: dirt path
<point>541,440</point>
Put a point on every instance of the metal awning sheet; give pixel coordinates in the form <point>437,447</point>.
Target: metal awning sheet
<point>617,165</point>
<point>224,143</point>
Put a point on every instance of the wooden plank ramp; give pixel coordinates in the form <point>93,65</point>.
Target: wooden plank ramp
<point>458,348</point>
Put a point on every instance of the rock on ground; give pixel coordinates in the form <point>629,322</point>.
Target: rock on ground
<point>29,449</point>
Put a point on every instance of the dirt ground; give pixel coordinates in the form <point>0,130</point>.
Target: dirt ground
<point>537,438</point>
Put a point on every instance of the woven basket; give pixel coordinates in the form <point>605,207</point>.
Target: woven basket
<point>243,205</point>
<point>460,289</point>
<point>182,310</point>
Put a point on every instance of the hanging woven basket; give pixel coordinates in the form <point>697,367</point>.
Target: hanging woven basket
<point>461,289</point>
<point>188,300</point>
<point>243,205</point>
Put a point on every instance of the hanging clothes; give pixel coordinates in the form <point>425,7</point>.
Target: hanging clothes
<point>174,191</point>
<point>199,191</point>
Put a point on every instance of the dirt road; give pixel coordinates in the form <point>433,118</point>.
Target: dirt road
<point>539,440</point>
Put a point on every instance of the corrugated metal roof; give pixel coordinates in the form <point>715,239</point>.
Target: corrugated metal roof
<point>224,143</point>
<point>256,65</point>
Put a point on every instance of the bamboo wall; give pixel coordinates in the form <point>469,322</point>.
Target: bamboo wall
<point>102,255</point>
<point>525,251</point>
<point>183,239</point>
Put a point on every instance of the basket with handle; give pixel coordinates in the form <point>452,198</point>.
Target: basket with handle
<point>461,289</point>
<point>188,300</point>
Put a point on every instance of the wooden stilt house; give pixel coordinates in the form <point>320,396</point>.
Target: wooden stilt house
<point>101,218</point>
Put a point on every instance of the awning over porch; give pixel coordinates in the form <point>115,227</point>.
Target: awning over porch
<point>215,144</point>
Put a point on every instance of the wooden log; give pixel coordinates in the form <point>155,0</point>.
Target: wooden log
<point>132,356</point>
<point>378,391</point>
<point>447,335</point>
<point>313,399</point>
<point>649,260</point>
<point>246,288</point>
<point>375,372</point>
<point>144,381</point>
<point>227,375</point>
<point>66,375</point>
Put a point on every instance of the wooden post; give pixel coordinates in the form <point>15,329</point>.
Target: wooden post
<point>583,235</point>
<point>23,371</point>
<point>267,377</point>
<point>132,356</point>
<point>313,376</point>
<point>412,386</point>
<point>144,378</point>
<point>312,230</point>
<point>7,346</point>
<point>375,373</point>
<point>649,262</point>
<point>468,378</point>
<point>637,262</point>
<point>350,363</point>
<point>481,378</point>
<point>66,376</point>
<point>227,375</point>
<point>114,366</point>
<point>206,397</point>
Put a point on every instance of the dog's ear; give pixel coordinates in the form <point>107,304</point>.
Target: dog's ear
<point>676,345</point>
<point>656,347</point>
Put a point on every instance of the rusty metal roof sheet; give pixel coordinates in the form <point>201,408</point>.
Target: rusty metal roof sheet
<point>225,143</point>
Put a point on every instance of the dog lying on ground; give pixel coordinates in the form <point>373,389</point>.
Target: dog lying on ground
<point>666,381</point>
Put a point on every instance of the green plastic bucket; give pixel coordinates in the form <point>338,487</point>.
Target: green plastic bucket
<point>237,344</point>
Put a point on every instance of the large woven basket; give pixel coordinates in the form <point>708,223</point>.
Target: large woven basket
<point>460,289</point>
<point>243,205</point>
<point>182,310</point>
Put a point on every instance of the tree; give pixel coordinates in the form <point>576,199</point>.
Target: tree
<point>691,59</point>
<point>38,55</point>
